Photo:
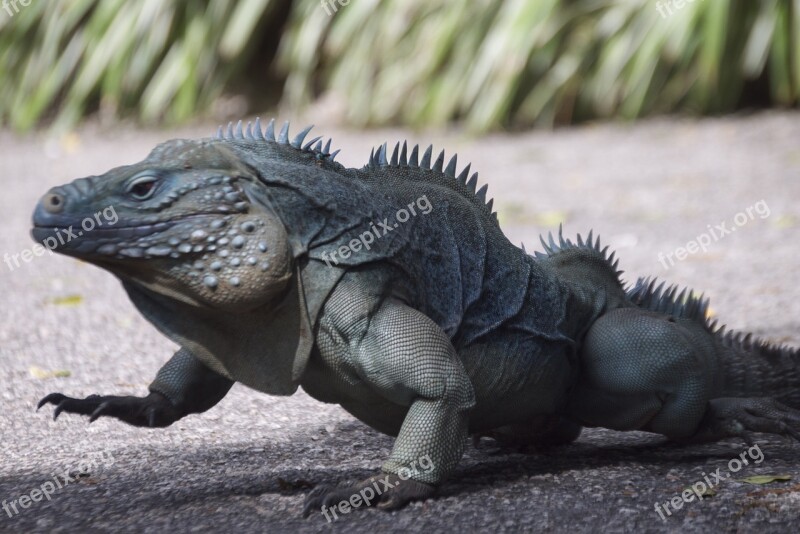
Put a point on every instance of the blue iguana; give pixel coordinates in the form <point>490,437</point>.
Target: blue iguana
<point>392,291</point>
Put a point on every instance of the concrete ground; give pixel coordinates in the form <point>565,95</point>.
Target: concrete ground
<point>246,465</point>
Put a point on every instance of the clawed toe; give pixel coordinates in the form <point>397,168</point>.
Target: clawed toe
<point>53,398</point>
<point>63,403</point>
<point>155,410</point>
<point>386,491</point>
<point>740,417</point>
<point>100,410</point>
<point>315,499</point>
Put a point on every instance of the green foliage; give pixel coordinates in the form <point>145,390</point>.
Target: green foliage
<point>521,62</point>
<point>163,60</point>
<point>488,63</point>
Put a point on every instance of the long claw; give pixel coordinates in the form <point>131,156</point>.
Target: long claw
<point>53,398</point>
<point>99,411</point>
<point>155,410</point>
<point>401,493</point>
<point>314,499</point>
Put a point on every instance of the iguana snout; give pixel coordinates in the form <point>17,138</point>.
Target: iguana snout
<point>188,233</point>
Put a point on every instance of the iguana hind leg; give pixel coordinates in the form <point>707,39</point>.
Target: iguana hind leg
<point>183,386</point>
<point>642,370</point>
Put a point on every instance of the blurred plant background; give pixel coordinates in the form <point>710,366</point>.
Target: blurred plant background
<point>489,64</point>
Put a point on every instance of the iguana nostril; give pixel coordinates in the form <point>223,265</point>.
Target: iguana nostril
<point>53,202</point>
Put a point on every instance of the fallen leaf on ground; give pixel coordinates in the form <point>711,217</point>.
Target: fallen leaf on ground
<point>69,300</point>
<point>44,374</point>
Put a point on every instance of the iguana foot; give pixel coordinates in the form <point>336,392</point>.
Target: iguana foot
<point>155,410</point>
<point>386,491</point>
<point>739,417</point>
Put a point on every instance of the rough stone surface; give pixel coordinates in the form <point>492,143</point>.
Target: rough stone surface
<point>246,465</point>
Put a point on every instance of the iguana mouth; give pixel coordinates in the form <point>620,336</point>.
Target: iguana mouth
<point>132,240</point>
<point>158,225</point>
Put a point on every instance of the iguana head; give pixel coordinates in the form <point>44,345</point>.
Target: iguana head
<point>185,225</point>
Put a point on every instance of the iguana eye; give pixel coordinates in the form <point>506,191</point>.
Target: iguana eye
<point>143,188</point>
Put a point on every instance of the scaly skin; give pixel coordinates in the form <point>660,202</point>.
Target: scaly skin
<point>274,266</point>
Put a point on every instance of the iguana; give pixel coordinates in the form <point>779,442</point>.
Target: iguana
<point>392,291</point>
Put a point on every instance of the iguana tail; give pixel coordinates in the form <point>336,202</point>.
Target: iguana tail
<point>751,367</point>
<point>756,368</point>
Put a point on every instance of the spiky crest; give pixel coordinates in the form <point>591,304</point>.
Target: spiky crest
<point>253,132</point>
<point>647,293</point>
<point>553,247</point>
<point>463,183</point>
<point>747,342</point>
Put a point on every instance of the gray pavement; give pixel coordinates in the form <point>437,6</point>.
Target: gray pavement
<point>246,465</point>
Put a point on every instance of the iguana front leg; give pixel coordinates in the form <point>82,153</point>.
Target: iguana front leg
<point>182,386</point>
<point>407,360</point>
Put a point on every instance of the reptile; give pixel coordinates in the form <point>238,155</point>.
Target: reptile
<point>392,291</point>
